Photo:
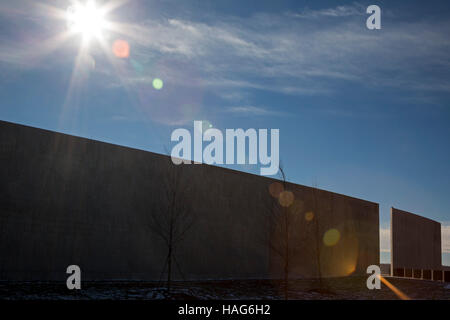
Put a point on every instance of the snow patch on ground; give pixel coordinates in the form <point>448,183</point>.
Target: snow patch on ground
<point>350,288</point>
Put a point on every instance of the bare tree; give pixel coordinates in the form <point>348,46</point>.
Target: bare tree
<point>172,215</point>
<point>279,223</point>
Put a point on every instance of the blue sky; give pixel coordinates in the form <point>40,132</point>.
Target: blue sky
<point>361,112</point>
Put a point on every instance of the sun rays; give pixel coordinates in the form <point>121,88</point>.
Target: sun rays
<point>87,20</point>
<point>88,23</point>
<point>98,45</point>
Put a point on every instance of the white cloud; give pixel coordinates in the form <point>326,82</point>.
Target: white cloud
<point>285,54</point>
<point>385,240</point>
<point>339,11</point>
<point>252,110</point>
<point>445,233</point>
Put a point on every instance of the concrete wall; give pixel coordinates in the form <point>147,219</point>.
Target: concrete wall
<point>67,200</point>
<point>415,241</point>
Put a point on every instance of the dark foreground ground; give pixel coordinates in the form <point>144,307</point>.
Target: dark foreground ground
<point>340,288</point>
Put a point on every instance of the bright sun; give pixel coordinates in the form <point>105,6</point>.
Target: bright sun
<point>86,19</point>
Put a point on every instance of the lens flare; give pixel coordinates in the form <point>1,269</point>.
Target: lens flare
<point>157,84</point>
<point>275,189</point>
<point>121,49</point>
<point>331,237</point>
<point>309,216</point>
<point>394,289</point>
<point>86,19</point>
<point>206,125</point>
<point>286,198</point>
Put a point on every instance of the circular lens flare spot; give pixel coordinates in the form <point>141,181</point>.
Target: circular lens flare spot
<point>157,84</point>
<point>286,198</point>
<point>331,237</point>
<point>121,49</point>
<point>275,189</point>
<point>206,125</point>
<point>309,216</point>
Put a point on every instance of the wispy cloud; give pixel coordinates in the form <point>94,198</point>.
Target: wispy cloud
<point>339,11</point>
<point>28,33</point>
<point>298,53</point>
<point>254,111</point>
<point>298,56</point>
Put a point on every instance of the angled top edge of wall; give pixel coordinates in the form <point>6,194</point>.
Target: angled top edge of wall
<point>13,124</point>
<point>399,211</point>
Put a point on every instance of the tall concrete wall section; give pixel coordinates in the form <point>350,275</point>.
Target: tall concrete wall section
<point>66,200</point>
<point>415,241</point>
